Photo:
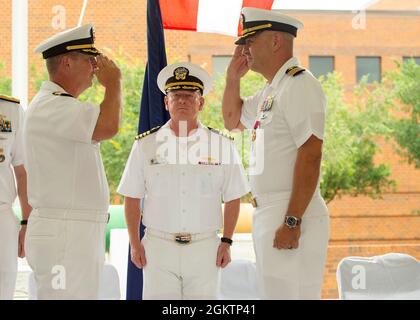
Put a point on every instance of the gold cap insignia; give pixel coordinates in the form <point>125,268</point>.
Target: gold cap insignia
<point>181,73</point>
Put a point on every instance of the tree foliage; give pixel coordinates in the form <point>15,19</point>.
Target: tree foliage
<point>405,88</point>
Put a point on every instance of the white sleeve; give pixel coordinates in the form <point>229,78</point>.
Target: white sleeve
<point>17,148</point>
<point>304,109</point>
<point>132,183</point>
<point>250,110</point>
<point>75,120</point>
<point>235,184</point>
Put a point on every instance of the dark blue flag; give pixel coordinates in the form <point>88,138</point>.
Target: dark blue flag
<point>152,114</point>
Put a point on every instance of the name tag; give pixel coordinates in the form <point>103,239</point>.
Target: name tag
<point>208,161</point>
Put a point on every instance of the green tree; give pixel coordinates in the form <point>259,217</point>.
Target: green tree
<point>405,87</point>
<point>5,82</point>
<point>352,135</point>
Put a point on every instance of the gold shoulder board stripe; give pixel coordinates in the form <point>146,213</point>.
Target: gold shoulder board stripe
<point>10,99</point>
<point>62,94</point>
<point>294,71</point>
<point>221,133</point>
<point>149,132</point>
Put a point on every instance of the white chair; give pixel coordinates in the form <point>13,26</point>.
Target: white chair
<point>238,281</point>
<point>391,276</point>
<point>109,287</point>
<point>32,295</point>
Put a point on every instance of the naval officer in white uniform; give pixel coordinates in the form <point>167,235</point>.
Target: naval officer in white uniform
<point>290,223</point>
<point>12,184</point>
<point>183,171</point>
<point>67,186</point>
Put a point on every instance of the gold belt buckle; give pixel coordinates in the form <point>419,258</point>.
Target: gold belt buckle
<point>254,202</point>
<point>183,238</point>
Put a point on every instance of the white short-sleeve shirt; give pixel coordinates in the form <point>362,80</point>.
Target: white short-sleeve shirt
<point>63,164</point>
<point>183,180</point>
<point>297,112</point>
<point>11,148</point>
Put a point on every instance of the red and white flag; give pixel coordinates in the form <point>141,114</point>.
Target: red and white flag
<point>216,16</point>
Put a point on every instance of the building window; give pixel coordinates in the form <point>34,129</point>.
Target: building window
<point>220,64</point>
<point>416,59</point>
<point>321,65</point>
<point>370,66</point>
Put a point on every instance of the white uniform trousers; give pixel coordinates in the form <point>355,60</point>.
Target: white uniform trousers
<point>177,271</point>
<point>9,231</point>
<point>66,251</point>
<point>290,273</point>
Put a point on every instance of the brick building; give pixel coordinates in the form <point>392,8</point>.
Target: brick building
<point>352,43</point>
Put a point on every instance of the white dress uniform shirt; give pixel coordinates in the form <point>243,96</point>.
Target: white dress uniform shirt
<point>64,165</point>
<point>11,155</point>
<point>182,180</point>
<point>297,112</point>
<point>11,149</point>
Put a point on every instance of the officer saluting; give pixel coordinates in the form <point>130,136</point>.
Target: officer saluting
<point>67,186</point>
<point>182,170</point>
<point>291,224</point>
<point>11,165</point>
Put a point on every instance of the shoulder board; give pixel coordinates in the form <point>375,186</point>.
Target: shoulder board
<point>149,132</point>
<point>10,99</point>
<point>294,71</point>
<point>221,133</point>
<point>63,94</point>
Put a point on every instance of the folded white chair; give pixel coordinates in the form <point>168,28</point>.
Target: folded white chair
<point>238,281</point>
<point>391,276</point>
<point>32,295</point>
<point>110,285</point>
<point>109,288</point>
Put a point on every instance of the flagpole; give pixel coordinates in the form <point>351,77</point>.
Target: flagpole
<point>20,51</point>
<point>82,13</point>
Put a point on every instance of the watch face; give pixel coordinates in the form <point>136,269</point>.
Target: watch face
<point>291,222</point>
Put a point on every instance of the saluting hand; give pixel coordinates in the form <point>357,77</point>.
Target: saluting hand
<point>238,66</point>
<point>107,72</point>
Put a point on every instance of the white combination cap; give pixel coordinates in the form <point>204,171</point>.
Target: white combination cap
<point>80,39</point>
<point>184,76</point>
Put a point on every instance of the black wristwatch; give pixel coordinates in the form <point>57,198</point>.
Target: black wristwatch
<point>23,222</point>
<point>226,240</point>
<point>292,222</point>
